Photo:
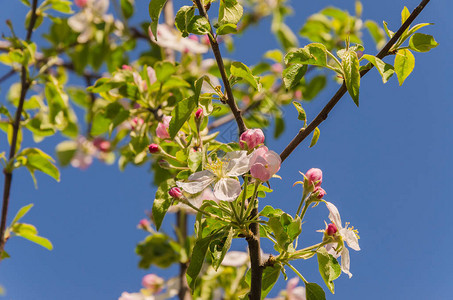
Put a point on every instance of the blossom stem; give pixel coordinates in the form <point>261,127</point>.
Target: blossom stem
<point>304,196</point>
<point>297,272</point>
<point>252,200</point>
<point>236,216</point>
<point>244,196</point>
<point>187,202</point>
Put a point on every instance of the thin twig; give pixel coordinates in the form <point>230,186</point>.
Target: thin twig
<point>7,75</point>
<point>25,85</point>
<point>230,117</point>
<point>303,133</point>
<point>218,57</point>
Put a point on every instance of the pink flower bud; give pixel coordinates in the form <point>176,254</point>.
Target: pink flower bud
<point>277,68</point>
<point>298,95</point>
<point>81,3</point>
<point>331,229</point>
<point>153,148</point>
<point>319,192</point>
<point>264,163</point>
<point>175,192</point>
<point>101,144</point>
<point>199,113</point>
<point>251,138</point>
<point>153,283</point>
<point>205,40</point>
<point>144,223</point>
<point>137,122</point>
<point>193,37</point>
<point>314,176</point>
<point>162,128</point>
<point>126,67</point>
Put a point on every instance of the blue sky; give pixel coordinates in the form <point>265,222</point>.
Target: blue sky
<point>387,167</point>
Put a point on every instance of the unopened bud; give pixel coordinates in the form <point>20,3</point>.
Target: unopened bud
<point>153,283</point>
<point>144,223</point>
<point>175,192</point>
<point>314,176</point>
<point>126,67</point>
<point>101,144</point>
<point>331,229</point>
<point>199,113</point>
<point>153,148</point>
<point>319,192</point>
<point>81,3</point>
<point>251,138</point>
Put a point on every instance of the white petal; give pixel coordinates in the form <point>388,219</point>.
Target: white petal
<point>78,22</point>
<point>193,46</point>
<point>197,182</point>
<point>299,293</point>
<point>331,249</point>
<point>227,189</point>
<point>345,262</point>
<point>334,215</point>
<point>350,238</point>
<point>235,259</point>
<point>237,163</point>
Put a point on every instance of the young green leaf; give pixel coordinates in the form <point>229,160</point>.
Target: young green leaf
<point>404,64</point>
<point>314,291</point>
<point>230,12</point>
<point>293,74</point>
<point>155,8</point>
<point>302,116</point>
<point>29,232</point>
<point>240,70</point>
<point>312,89</point>
<point>417,27</point>
<point>199,25</point>
<point>127,7</point>
<point>315,137</point>
<point>194,160</point>
<point>225,247</point>
<point>386,70</point>
<point>162,202</point>
<point>180,114</point>
<point>376,32</point>
<point>197,259</point>
<point>329,268</point>
<point>226,29</point>
<point>404,15</point>
<point>65,152</point>
<point>389,33</point>
<point>22,212</point>
<point>183,17</point>
<point>312,54</point>
<point>351,70</point>
<point>270,277</point>
<point>36,159</point>
<point>157,249</point>
<point>422,42</point>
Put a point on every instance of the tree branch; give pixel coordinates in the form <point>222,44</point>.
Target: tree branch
<point>218,57</point>
<point>25,85</point>
<point>303,133</point>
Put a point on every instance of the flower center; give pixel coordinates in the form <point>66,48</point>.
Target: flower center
<point>216,168</point>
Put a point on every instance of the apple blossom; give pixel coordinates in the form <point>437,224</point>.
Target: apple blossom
<point>175,192</point>
<point>135,296</point>
<point>235,259</point>
<point>153,283</point>
<point>264,163</point>
<point>251,138</point>
<point>101,144</point>
<point>344,234</point>
<point>162,128</point>
<point>172,39</point>
<point>153,148</point>
<point>199,113</point>
<point>294,292</point>
<point>314,176</point>
<point>81,3</point>
<point>222,174</point>
<point>136,122</point>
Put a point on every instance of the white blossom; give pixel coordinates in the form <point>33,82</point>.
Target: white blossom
<point>172,39</point>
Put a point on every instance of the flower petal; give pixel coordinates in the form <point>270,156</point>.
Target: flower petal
<point>197,182</point>
<point>350,238</point>
<point>274,161</point>
<point>345,262</point>
<point>237,163</point>
<point>334,215</point>
<point>227,189</point>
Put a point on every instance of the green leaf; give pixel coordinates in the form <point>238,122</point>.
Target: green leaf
<point>127,7</point>
<point>197,259</point>
<point>293,74</point>
<point>226,29</point>
<point>422,42</point>
<point>389,33</point>
<point>315,137</point>
<point>312,89</point>
<point>285,229</point>
<point>240,70</point>
<point>269,211</point>
<point>155,8</point>
<point>180,114</point>
<point>329,268</point>
<point>302,116</point>
<point>198,86</point>
<point>270,277</point>
<point>312,54</point>
<point>314,291</point>
<point>157,249</point>
<point>199,25</point>
<point>386,70</point>
<point>194,161</point>
<point>230,12</point>
<point>417,27</point>
<point>351,70</point>
<point>404,64</point>
<point>66,151</point>
<point>404,15</point>
<point>182,19</point>
<point>164,70</point>
<point>29,232</point>
<point>275,55</point>
<point>22,212</point>
<point>162,202</point>
<point>286,37</point>
<point>226,244</point>
<point>376,32</point>
<point>36,159</point>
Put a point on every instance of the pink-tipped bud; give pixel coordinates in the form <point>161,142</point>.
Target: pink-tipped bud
<point>331,229</point>
<point>81,3</point>
<point>205,40</point>
<point>314,176</point>
<point>153,148</point>
<point>153,283</point>
<point>137,122</point>
<point>144,223</point>
<point>101,144</point>
<point>319,192</point>
<point>126,67</point>
<point>175,192</point>
<point>251,138</point>
<point>199,113</point>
